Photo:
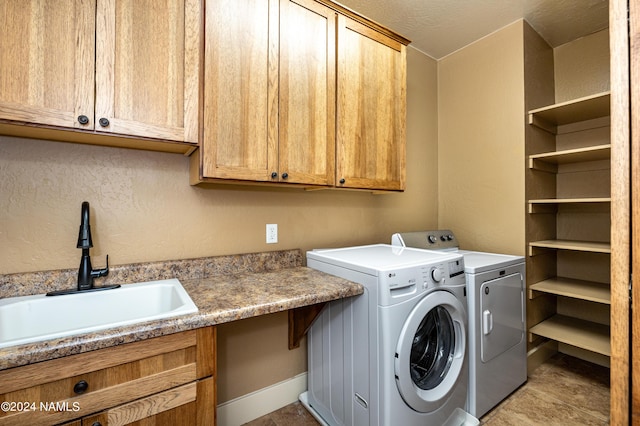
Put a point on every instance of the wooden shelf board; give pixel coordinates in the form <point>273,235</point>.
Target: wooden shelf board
<point>577,289</point>
<point>570,200</point>
<point>587,246</point>
<point>550,205</point>
<point>586,108</point>
<point>587,335</point>
<point>579,155</point>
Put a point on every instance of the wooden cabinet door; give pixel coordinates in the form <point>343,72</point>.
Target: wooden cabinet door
<point>307,92</point>
<point>371,109</point>
<point>147,68</point>
<point>47,61</point>
<point>240,134</point>
<point>183,405</point>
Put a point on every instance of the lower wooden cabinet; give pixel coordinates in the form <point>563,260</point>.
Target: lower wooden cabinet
<point>168,380</point>
<point>184,405</point>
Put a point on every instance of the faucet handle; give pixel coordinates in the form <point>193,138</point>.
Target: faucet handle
<point>95,273</point>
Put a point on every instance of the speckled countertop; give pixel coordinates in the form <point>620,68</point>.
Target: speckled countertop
<point>226,288</point>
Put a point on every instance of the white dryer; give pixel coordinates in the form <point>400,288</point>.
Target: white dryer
<point>496,305</point>
<point>396,355</point>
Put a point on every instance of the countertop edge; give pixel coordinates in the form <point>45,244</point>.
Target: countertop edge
<point>219,299</point>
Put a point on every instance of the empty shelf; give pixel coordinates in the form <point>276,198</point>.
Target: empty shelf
<point>548,205</point>
<point>587,335</point>
<point>587,246</point>
<point>548,161</point>
<point>587,108</point>
<point>577,289</point>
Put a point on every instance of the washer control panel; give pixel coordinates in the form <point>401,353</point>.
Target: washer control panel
<point>402,284</point>
<point>456,267</point>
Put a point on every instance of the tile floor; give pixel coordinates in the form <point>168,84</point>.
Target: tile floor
<point>562,392</point>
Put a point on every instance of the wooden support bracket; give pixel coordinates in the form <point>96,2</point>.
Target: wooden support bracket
<point>539,208</point>
<point>300,319</point>
<point>535,251</point>
<point>543,166</point>
<point>543,124</point>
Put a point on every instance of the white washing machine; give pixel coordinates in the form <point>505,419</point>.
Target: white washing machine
<point>396,355</point>
<point>496,305</point>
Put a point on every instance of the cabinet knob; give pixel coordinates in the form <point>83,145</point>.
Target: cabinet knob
<point>342,181</point>
<point>83,119</point>
<point>96,424</point>
<point>285,175</point>
<point>103,122</point>
<point>80,387</point>
<point>274,175</point>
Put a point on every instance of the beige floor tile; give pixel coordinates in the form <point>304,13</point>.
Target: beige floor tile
<point>562,392</point>
<point>291,415</point>
<point>577,383</point>
<point>532,408</point>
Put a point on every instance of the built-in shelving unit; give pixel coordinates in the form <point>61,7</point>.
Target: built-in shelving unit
<point>568,224</point>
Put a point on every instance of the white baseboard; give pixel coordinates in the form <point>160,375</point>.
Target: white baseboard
<point>263,401</point>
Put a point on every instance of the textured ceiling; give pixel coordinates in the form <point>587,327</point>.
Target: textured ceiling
<point>440,27</point>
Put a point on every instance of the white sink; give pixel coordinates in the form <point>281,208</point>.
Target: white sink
<point>35,318</point>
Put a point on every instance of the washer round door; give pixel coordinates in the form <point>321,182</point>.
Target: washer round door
<point>431,349</point>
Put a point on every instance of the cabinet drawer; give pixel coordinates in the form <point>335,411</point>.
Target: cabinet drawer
<point>171,407</point>
<point>68,388</point>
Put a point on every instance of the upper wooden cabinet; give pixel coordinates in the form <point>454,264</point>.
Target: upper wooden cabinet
<point>371,136</point>
<point>47,60</point>
<point>240,90</point>
<point>275,73</point>
<point>269,111</point>
<point>147,68</point>
<point>127,67</point>
<point>307,92</point>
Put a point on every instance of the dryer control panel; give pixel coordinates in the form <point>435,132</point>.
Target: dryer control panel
<point>440,239</point>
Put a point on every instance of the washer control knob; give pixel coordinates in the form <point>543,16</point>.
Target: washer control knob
<point>449,237</point>
<point>432,239</point>
<point>436,274</point>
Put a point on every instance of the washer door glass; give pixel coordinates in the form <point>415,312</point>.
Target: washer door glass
<point>430,354</point>
<point>433,349</point>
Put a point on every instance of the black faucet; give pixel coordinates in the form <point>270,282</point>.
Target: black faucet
<point>86,274</point>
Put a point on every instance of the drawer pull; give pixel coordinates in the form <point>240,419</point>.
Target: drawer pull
<point>96,424</point>
<point>80,387</point>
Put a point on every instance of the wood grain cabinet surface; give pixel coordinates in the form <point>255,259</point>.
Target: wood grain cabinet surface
<point>283,80</point>
<point>269,97</point>
<point>371,108</point>
<point>151,382</point>
<point>119,67</point>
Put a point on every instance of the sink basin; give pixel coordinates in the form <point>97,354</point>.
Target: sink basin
<point>35,318</point>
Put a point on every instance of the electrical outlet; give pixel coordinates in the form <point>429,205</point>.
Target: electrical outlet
<point>272,233</point>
